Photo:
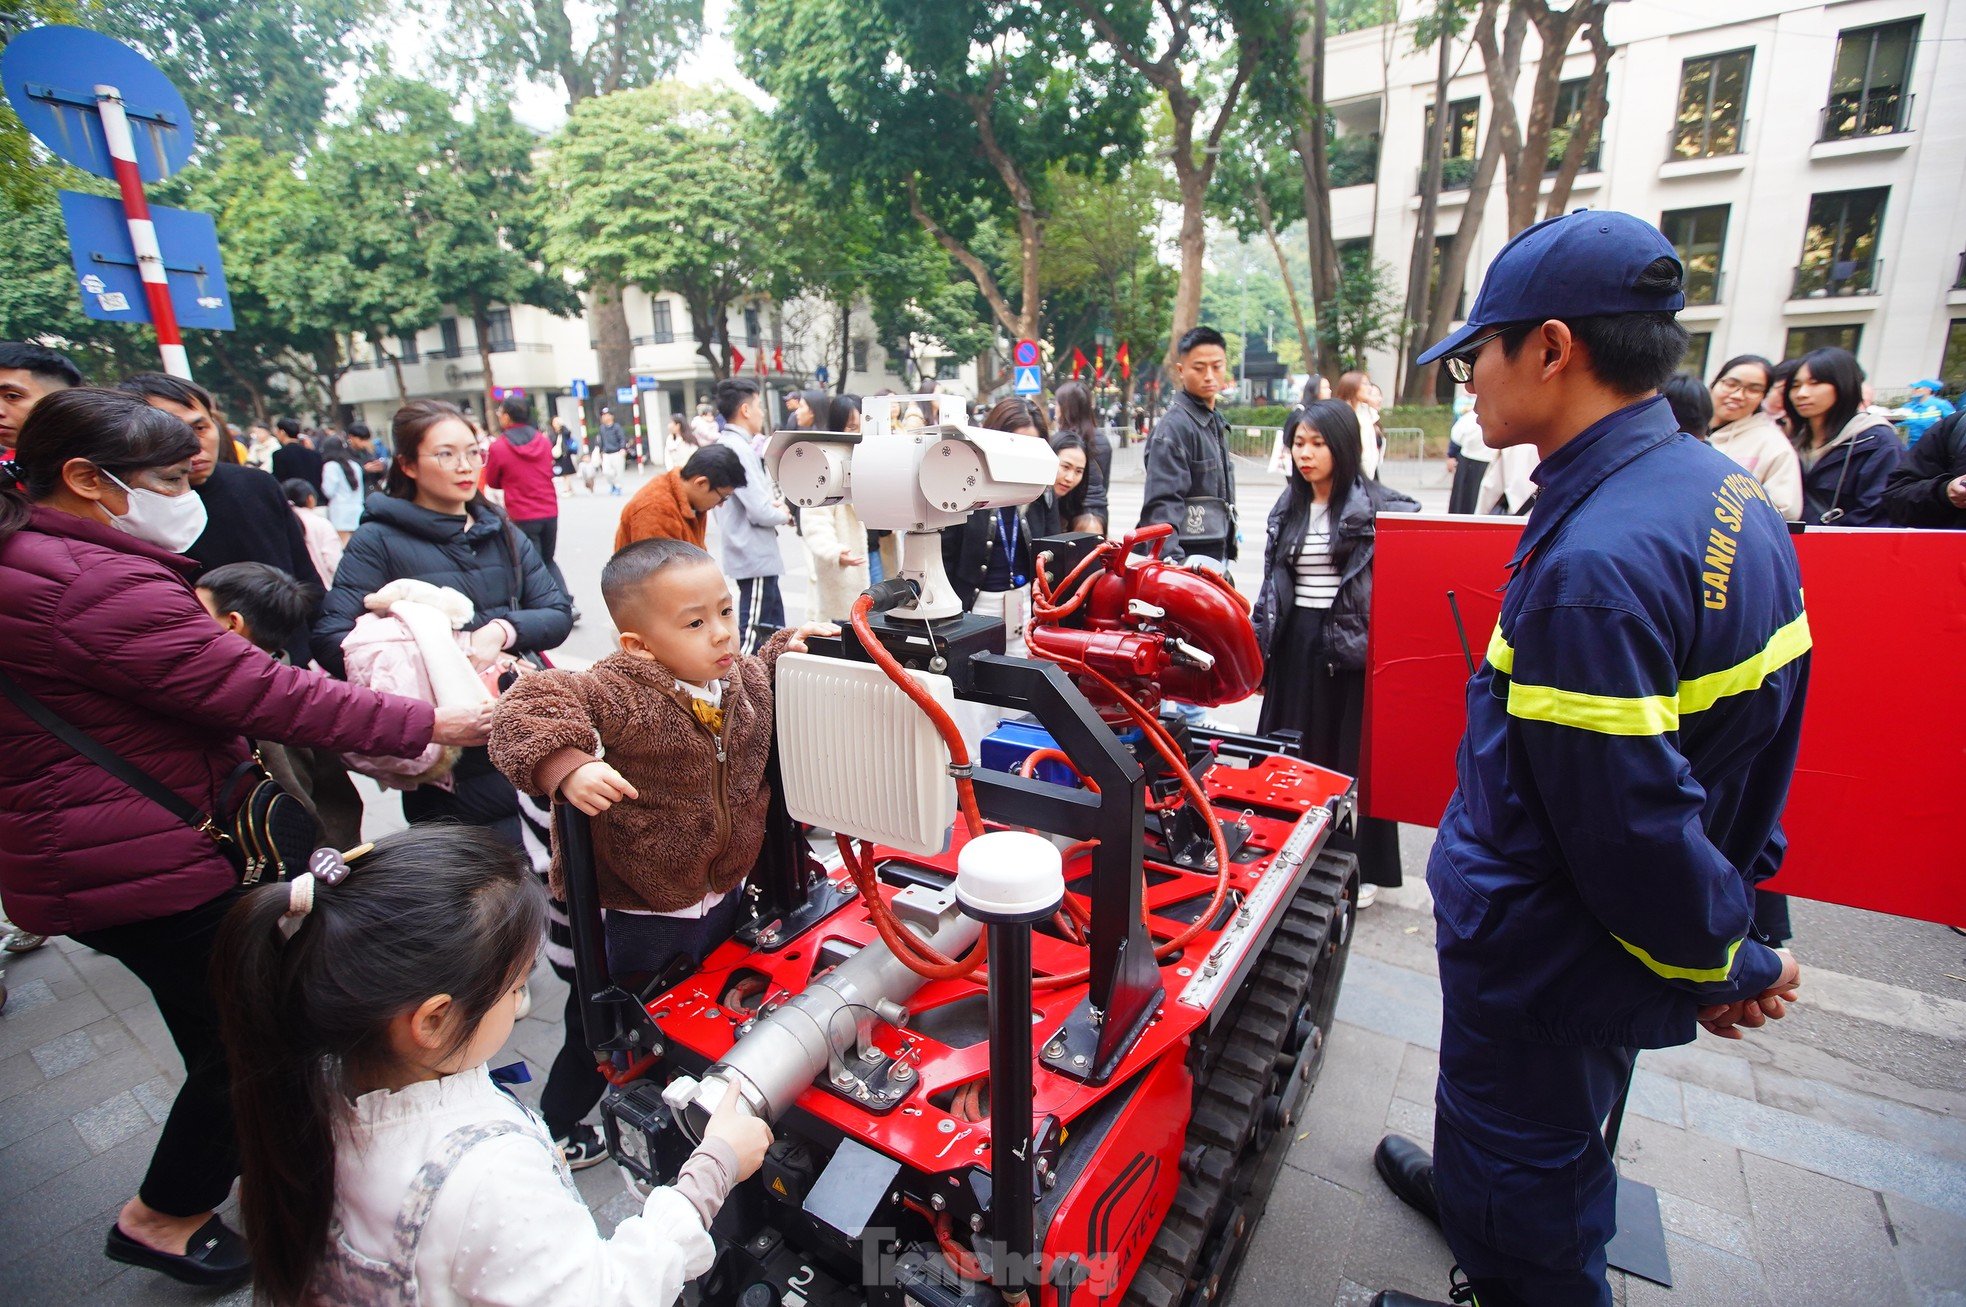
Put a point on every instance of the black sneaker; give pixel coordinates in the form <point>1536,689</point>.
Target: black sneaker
<point>583,1147</point>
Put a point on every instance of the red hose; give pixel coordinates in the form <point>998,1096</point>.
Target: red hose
<point>944,724</point>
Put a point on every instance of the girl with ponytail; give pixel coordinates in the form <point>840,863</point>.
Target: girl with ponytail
<point>381,1163</point>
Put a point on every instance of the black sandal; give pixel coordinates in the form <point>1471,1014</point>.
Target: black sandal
<point>216,1257</point>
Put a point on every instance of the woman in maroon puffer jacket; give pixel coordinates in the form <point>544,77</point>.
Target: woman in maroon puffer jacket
<point>102,626</point>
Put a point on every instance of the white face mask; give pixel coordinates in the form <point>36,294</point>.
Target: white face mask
<point>170,522</point>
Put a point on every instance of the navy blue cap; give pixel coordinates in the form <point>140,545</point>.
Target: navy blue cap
<point>1583,264</point>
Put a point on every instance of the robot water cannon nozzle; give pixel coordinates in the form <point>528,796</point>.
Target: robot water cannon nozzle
<point>915,467</point>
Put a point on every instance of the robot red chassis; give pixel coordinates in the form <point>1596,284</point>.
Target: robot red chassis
<point>1094,1101</point>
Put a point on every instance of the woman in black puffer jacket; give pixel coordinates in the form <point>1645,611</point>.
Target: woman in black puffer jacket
<point>432,524</point>
<point>1316,600</point>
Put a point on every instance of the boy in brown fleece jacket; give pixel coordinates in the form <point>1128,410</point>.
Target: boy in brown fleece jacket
<point>665,744</point>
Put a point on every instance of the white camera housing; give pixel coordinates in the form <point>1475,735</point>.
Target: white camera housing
<point>913,468</point>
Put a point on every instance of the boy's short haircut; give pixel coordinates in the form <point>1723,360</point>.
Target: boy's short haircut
<point>360,431</point>
<point>276,607</point>
<point>289,427</point>
<point>1194,336</point>
<point>516,407</point>
<point>720,465</point>
<point>732,393</point>
<point>39,361</point>
<point>172,390</point>
<point>631,567</point>
<point>298,491</point>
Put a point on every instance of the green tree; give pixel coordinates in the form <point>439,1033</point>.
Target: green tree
<point>1167,45</point>
<point>1103,266</point>
<point>255,67</point>
<point>950,116</point>
<point>634,43</point>
<point>669,188</point>
<point>1365,314</point>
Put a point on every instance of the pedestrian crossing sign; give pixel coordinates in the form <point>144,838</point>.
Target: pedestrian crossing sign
<point>1026,381</point>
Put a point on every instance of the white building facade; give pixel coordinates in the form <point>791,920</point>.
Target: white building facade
<point>1807,160</point>
<point>550,359</point>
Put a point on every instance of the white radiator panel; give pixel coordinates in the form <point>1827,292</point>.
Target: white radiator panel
<point>858,757</point>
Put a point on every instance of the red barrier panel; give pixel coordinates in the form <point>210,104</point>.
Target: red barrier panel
<point>1874,818</point>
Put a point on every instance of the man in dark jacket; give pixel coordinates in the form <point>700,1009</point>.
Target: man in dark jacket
<point>1929,487</point>
<point>294,458</point>
<point>1188,459</point>
<point>612,441</point>
<point>1631,734</point>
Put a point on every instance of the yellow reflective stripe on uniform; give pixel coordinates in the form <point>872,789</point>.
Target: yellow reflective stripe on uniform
<point>1652,714</point>
<point>1703,974</point>
<point>1788,644</point>
<point>1606,714</point>
<point>1500,656</point>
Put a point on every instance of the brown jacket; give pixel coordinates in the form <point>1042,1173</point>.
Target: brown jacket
<point>700,820</point>
<point>660,511</point>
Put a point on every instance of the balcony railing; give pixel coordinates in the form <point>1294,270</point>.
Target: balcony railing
<point>655,338</point>
<point>1880,113</point>
<point>1675,133</point>
<point>1455,174</point>
<point>1835,280</point>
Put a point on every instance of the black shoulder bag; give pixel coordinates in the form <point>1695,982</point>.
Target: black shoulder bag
<point>1207,521</point>
<point>263,831</point>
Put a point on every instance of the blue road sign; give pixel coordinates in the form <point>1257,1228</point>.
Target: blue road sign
<point>624,395</point>
<point>1024,353</point>
<point>106,265</point>
<point>1026,382</point>
<point>577,388</point>
<point>645,382</point>
<point>50,74</point>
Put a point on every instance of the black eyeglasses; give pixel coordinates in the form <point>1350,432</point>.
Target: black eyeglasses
<point>1460,364</point>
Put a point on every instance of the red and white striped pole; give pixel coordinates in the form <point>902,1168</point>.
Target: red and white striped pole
<point>143,232</point>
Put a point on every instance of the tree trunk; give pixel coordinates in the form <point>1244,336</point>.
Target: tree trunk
<point>1419,267</point>
<point>1313,152</point>
<point>1289,282</point>
<point>1454,263</point>
<point>1503,66</point>
<point>614,348</point>
<point>846,342</point>
<point>1589,118</point>
<point>979,272</point>
<point>1556,28</point>
<point>481,324</point>
<point>1194,245</point>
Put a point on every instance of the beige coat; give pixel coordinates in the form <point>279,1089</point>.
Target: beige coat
<point>827,532</point>
<point>1758,445</point>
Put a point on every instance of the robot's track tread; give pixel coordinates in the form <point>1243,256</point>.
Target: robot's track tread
<point>1269,1052</point>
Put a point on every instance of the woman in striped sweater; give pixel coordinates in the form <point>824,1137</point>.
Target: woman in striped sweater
<point>1316,600</point>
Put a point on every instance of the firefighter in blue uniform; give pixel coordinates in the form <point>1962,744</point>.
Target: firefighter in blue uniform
<point>1631,733</point>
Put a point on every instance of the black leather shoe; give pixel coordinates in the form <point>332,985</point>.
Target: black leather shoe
<point>1394,1298</point>
<point>216,1257</point>
<point>1408,1171</point>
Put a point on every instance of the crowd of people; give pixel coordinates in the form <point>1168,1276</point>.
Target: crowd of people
<point>188,606</point>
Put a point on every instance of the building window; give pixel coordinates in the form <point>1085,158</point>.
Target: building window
<point>948,368</point>
<point>754,334</point>
<point>1713,95</point>
<point>498,331</point>
<point>1870,85</point>
<point>1698,235</point>
<point>1569,112</point>
<point>1839,249</point>
<point>1699,345</point>
<point>1803,339</point>
<point>448,330</point>
<point>665,325</point>
<point>1952,367</point>
<point>406,347</point>
<point>860,355</point>
<point>1459,144</point>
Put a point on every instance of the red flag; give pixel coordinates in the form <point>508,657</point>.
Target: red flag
<point>778,358</point>
<point>1079,363</point>
<point>1099,366</point>
<point>1126,364</point>
<point>736,360</point>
